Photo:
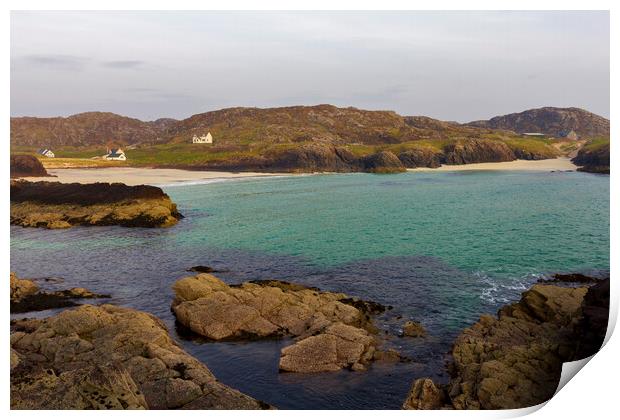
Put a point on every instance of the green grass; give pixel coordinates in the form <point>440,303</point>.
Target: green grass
<point>596,144</point>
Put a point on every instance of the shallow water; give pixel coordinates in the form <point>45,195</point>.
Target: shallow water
<point>441,248</point>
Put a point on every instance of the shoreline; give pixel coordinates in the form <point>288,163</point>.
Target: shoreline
<point>557,164</point>
<point>171,177</point>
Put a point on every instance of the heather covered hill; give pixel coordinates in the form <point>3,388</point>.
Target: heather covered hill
<point>86,129</point>
<point>554,122</point>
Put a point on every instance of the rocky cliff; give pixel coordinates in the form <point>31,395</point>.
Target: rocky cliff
<point>514,359</point>
<point>56,205</point>
<point>26,165</point>
<point>554,122</point>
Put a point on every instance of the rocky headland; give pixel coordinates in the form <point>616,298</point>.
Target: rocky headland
<point>108,357</point>
<point>595,160</point>
<point>514,359</point>
<point>27,296</point>
<point>26,165</point>
<point>54,205</point>
<point>332,331</point>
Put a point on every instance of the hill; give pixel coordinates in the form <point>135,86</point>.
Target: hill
<point>86,129</point>
<point>296,138</point>
<point>554,122</point>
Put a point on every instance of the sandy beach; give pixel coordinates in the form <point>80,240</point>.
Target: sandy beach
<point>149,176</point>
<point>559,164</point>
<point>168,177</point>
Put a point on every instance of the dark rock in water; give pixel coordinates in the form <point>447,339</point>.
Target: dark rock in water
<point>108,357</point>
<point>476,151</point>
<point>54,205</point>
<point>205,269</point>
<point>26,165</point>
<point>593,160</point>
<point>26,296</point>
<point>571,278</point>
<point>382,163</point>
<point>420,158</point>
<point>515,360</point>
<point>413,329</point>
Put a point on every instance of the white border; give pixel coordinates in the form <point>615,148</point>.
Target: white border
<point>592,395</point>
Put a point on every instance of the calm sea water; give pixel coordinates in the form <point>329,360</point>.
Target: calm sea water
<point>440,247</point>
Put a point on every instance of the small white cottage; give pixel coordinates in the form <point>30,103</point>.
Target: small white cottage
<point>115,154</point>
<point>203,139</point>
<point>46,152</point>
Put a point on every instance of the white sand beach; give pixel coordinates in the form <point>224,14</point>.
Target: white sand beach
<point>167,177</point>
<point>559,164</point>
<point>149,176</point>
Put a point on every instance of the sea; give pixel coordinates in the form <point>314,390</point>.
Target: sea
<point>439,248</point>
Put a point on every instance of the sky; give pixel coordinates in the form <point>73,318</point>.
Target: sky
<point>456,66</point>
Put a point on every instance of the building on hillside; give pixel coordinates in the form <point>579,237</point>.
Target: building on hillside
<point>46,152</point>
<point>569,134</point>
<point>115,154</point>
<point>534,134</point>
<point>203,139</point>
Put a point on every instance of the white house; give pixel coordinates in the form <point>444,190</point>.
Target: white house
<point>533,134</point>
<point>115,154</point>
<point>203,139</point>
<point>46,152</point>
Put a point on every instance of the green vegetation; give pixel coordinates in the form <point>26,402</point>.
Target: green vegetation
<point>596,144</point>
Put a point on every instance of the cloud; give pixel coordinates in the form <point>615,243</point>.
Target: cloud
<point>123,64</point>
<point>57,61</point>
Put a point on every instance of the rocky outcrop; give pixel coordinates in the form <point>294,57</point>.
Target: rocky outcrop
<point>26,165</point>
<point>333,330</point>
<point>515,360</point>
<point>595,160</point>
<point>112,358</point>
<point>26,296</point>
<point>54,205</point>
<point>413,329</point>
<point>382,163</point>
<point>338,346</point>
<point>523,154</point>
<point>477,151</point>
<point>425,395</point>
<point>555,122</point>
<point>314,158</point>
<point>420,158</point>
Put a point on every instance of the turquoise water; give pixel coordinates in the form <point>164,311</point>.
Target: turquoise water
<point>440,247</point>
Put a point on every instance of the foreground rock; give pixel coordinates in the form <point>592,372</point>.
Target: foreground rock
<point>26,165</point>
<point>112,358</point>
<point>333,330</point>
<point>515,360</point>
<point>54,205</point>
<point>26,296</point>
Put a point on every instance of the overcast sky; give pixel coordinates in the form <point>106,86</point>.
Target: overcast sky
<point>457,66</point>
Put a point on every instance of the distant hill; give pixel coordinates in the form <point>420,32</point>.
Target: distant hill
<point>86,129</point>
<point>555,122</point>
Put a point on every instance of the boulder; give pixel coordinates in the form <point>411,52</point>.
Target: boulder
<point>334,330</point>
<point>338,346</point>
<point>596,160</point>
<point>413,329</point>
<point>425,395</point>
<point>110,357</point>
